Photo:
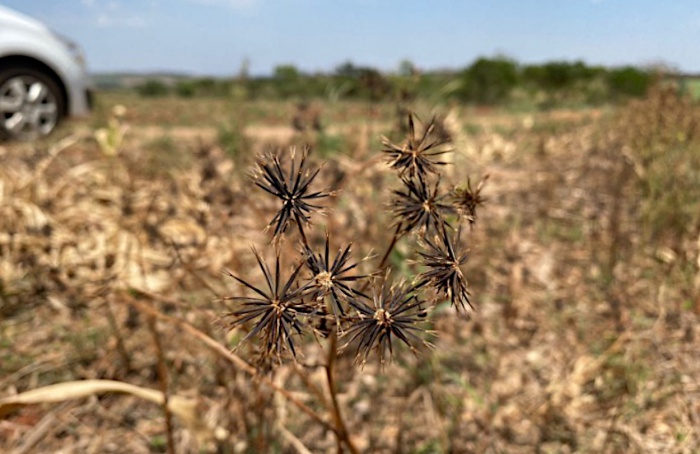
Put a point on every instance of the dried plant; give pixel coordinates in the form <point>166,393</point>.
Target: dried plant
<point>293,188</point>
<point>332,278</point>
<point>275,311</point>
<point>467,199</point>
<point>418,207</point>
<point>331,300</point>
<point>417,156</point>
<point>396,313</point>
<point>443,269</point>
<point>332,291</point>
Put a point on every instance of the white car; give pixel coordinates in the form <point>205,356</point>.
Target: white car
<point>43,78</point>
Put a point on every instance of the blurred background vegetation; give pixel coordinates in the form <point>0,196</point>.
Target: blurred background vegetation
<point>496,80</point>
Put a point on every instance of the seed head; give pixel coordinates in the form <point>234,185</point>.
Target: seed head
<point>467,200</point>
<point>418,206</point>
<point>291,187</point>
<point>396,313</point>
<point>443,262</point>
<point>417,156</point>
<point>274,311</point>
<point>332,278</point>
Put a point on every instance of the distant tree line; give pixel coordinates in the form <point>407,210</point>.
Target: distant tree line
<point>487,81</point>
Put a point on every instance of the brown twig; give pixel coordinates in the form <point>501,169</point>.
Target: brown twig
<point>394,239</point>
<point>392,244</point>
<point>50,422</point>
<point>304,377</point>
<point>163,381</point>
<point>188,267</point>
<point>342,434</point>
<point>121,346</point>
<point>294,441</point>
<point>229,356</point>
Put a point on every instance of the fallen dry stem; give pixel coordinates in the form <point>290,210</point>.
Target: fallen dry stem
<point>231,357</point>
<point>188,267</point>
<point>304,377</point>
<point>180,406</point>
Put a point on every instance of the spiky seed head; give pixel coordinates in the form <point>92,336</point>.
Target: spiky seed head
<point>273,312</point>
<point>442,259</point>
<point>396,313</point>
<point>292,186</point>
<point>417,157</point>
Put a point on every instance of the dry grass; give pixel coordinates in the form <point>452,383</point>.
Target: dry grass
<point>585,337</point>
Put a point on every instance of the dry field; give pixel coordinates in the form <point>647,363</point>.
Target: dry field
<point>583,268</point>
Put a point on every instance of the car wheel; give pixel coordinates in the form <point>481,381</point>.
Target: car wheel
<point>31,103</point>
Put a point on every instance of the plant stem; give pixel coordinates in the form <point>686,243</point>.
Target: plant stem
<point>304,241</point>
<point>393,242</point>
<point>395,238</point>
<point>341,431</point>
<point>163,379</point>
<point>226,354</point>
<point>121,346</point>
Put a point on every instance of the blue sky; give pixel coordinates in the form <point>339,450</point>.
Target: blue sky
<point>214,37</point>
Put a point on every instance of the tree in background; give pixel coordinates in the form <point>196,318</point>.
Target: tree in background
<point>288,80</point>
<point>153,88</point>
<point>559,75</point>
<point>489,80</point>
<point>362,82</point>
<point>629,81</point>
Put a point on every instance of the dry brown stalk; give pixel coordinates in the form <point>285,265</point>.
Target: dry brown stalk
<point>229,356</point>
<point>163,381</point>
<point>121,346</point>
<point>343,436</point>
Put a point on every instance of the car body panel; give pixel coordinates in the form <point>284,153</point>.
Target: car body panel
<point>22,36</point>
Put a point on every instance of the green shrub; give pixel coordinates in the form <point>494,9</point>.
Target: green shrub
<point>489,81</point>
<point>185,89</point>
<point>153,88</point>
<point>629,81</point>
<point>559,75</point>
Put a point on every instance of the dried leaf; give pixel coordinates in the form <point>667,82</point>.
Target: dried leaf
<point>185,408</point>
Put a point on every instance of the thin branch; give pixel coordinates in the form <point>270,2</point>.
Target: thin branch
<point>229,356</point>
<point>395,238</point>
<point>188,267</point>
<point>342,432</point>
<point>294,441</point>
<point>121,346</point>
<point>163,381</point>
<point>304,377</point>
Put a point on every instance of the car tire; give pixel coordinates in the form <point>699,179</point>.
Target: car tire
<point>31,103</point>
